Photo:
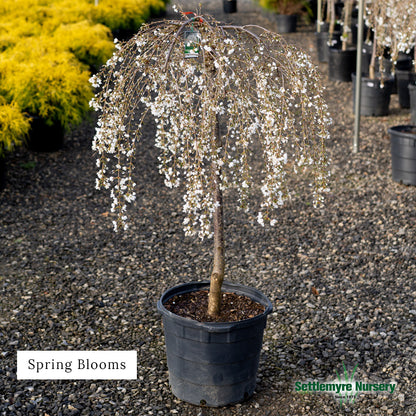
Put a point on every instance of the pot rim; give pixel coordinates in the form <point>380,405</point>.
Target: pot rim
<point>349,50</point>
<point>252,293</point>
<point>401,130</point>
<point>365,78</point>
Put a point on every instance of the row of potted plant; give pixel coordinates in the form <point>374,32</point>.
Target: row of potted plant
<point>394,26</point>
<point>48,51</point>
<point>389,39</point>
<point>388,65</point>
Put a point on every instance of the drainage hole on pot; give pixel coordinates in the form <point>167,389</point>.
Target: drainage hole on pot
<point>203,402</point>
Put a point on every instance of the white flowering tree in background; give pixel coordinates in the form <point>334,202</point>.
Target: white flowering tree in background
<point>394,26</point>
<point>402,17</point>
<point>213,90</point>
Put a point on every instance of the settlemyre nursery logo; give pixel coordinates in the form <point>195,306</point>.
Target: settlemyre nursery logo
<point>345,388</point>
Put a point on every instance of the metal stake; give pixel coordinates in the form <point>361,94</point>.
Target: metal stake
<point>357,102</point>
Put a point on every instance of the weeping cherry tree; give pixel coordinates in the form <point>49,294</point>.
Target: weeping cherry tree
<point>214,90</point>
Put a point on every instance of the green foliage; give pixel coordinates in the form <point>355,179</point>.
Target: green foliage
<point>28,165</point>
<point>14,126</point>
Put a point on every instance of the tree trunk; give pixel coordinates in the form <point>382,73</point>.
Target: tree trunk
<point>372,70</point>
<point>331,10</point>
<point>347,24</point>
<point>217,276</point>
<point>414,59</point>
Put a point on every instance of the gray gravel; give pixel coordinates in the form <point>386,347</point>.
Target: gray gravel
<point>342,279</point>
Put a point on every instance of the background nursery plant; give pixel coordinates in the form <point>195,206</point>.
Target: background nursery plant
<point>14,126</point>
<point>214,90</point>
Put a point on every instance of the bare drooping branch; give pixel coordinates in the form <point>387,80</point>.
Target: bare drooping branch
<point>262,89</point>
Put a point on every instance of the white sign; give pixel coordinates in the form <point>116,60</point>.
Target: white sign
<point>76,365</point>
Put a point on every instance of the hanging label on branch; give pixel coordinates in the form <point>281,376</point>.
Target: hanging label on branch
<point>192,40</point>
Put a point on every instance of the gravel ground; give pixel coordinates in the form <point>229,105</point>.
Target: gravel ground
<point>342,279</point>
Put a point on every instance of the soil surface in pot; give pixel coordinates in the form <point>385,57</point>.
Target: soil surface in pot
<point>194,305</point>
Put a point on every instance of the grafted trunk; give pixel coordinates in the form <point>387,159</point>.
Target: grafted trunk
<point>217,276</point>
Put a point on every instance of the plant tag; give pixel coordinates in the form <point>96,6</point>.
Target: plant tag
<point>192,41</point>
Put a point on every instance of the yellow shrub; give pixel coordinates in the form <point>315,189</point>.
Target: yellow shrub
<point>91,44</point>
<point>45,46</point>
<point>65,12</point>
<point>18,7</point>
<point>45,81</point>
<point>155,6</point>
<point>121,14</point>
<point>14,126</point>
<point>50,14</point>
<point>13,30</point>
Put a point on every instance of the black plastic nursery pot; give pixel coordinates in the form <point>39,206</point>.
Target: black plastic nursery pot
<point>403,154</point>
<point>322,44</point>
<point>44,137</point>
<point>354,30</point>
<point>412,95</point>
<point>404,77</point>
<point>230,6</point>
<point>375,96</point>
<point>286,23</point>
<point>341,64</point>
<point>213,363</point>
<point>339,6</point>
<point>366,58</point>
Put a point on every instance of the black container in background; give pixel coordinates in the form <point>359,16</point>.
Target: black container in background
<point>366,58</point>
<point>403,79</point>
<point>341,64</point>
<point>286,23</point>
<point>354,30</point>
<point>375,100</point>
<point>404,63</point>
<point>339,7</point>
<point>322,44</point>
<point>230,6</point>
<point>403,154</point>
<point>412,95</point>
<point>44,137</point>
<point>213,363</point>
